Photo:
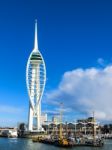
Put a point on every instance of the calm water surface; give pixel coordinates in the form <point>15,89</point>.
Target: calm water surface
<point>26,144</point>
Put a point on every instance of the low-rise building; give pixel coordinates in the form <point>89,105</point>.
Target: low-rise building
<point>43,119</point>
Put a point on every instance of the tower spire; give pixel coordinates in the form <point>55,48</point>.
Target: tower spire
<point>36,40</point>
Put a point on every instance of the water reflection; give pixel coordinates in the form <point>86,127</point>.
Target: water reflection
<point>27,144</point>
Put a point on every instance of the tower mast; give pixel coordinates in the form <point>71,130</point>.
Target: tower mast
<point>35,38</point>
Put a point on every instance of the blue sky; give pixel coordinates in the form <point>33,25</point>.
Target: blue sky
<point>72,34</point>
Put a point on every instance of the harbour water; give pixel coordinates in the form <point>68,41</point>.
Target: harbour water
<point>27,144</point>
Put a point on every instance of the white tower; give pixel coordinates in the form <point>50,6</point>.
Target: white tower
<point>35,79</point>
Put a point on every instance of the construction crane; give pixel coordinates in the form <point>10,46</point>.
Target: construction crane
<point>94,127</point>
<point>61,113</point>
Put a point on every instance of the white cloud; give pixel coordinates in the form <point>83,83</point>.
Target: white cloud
<point>11,115</point>
<point>101,61</point>
<point>10,109</point>
<point>85,90</point>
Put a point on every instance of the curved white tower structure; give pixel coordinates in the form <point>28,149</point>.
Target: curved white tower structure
<point>35,79</point>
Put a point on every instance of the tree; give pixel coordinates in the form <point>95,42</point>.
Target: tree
<point>21,129</point>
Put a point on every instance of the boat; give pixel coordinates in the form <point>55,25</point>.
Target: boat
<point>63,143</point>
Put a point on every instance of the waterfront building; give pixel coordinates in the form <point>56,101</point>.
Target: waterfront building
<point>35,79</point>
<point>80,127</point>
<point>8,132</point>
<point>43,119</point>
<point>56,119</point>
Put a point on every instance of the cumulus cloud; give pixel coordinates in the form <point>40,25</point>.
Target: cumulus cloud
<point>85,90</point>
